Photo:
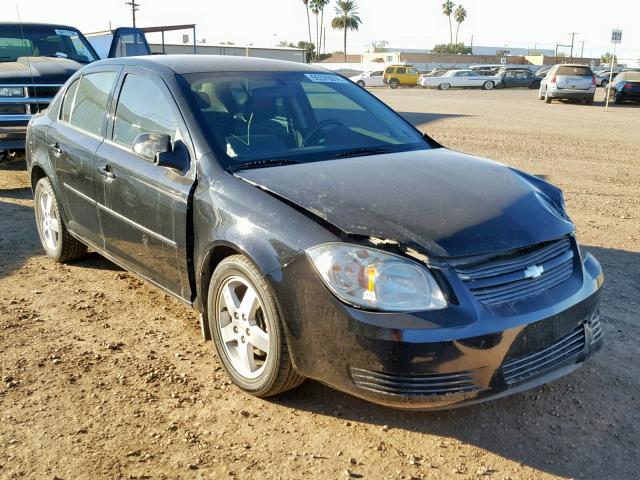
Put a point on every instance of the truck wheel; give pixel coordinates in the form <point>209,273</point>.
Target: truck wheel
<point>488,85</point>
<point>247,329</point>
<point>361,83</point>
<point>54,236</point>
<point>394,84</point>
<point>444,86</point>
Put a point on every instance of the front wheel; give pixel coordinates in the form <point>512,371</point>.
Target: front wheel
<point>247,329</point>
<point>394,84</point>
<point>488,85</point>
<point>361,83</point>
<point>54,236</point>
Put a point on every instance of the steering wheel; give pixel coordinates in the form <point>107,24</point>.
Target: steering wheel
<point>318,128</point>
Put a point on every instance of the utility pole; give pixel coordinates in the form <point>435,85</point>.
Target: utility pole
<point>582,49</point>
<point>573,37</point>
<point>134,9</point>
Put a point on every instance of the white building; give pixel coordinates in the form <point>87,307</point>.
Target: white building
<point>276,53</point>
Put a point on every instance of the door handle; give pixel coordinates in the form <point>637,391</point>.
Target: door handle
<point>55,148</point>
<point>107,173</point>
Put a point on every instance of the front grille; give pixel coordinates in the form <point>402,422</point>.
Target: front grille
<point>12,109</point>
<point>533,364</point>
<point>505,278</point>
<point>43,91</point>
<point>430,384</point>
<point>596,330</point>
<point>37,99</point>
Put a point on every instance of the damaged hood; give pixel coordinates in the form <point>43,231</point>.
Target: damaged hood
<point>448,204</point>
<point>45,70</point>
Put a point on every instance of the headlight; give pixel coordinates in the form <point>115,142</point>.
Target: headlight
<point>11,92</point>
<point>373,279</point>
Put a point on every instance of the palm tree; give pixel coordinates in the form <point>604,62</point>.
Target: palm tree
<point>347,18</point>
<point>447,9</point>
<point>460,15</point>
<point>317,8</point>
<point>306,4</point>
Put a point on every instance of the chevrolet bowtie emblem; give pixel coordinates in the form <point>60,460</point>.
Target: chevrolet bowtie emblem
<point>534,271</point>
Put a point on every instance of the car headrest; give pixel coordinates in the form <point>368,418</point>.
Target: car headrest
<point>203,99</point>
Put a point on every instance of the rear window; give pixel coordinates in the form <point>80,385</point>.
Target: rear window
<point>575,71</point>
<point>630,76</point>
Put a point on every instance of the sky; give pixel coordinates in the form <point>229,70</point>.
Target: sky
<point>402,23</point>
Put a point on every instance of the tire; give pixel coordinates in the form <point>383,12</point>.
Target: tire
<point>540,95</point>
<point>56,240</point>
<point>589,101</point>
<point>617,99</point>
<point>604,83</point>
<point>488,85</point>
<point>547,98</point>
<point>361,83</point>
<point>274,372</point>
<point>444,86</point>
<point>394,84</point>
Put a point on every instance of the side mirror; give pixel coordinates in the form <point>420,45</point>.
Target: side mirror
<point>152,145</point>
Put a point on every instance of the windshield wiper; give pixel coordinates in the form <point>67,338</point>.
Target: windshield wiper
<point>360,152</point>
<point>271,162</point>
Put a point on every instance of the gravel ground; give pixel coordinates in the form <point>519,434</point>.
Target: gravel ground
<point>104,376</point>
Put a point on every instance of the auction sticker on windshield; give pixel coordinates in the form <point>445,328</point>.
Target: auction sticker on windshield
<point>66,33</point>
<point>324,78</point>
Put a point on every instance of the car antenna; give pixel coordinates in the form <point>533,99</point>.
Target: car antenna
<point>33,83</point>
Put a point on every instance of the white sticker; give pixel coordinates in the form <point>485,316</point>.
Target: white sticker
<point>66,33</point>
<point>325,78</point>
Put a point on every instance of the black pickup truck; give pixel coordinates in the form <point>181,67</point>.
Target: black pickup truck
<point>36,60</point>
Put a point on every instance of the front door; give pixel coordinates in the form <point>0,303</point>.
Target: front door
<point>143,208</point>
<point>73,141</point>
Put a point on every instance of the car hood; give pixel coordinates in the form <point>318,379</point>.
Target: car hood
<point>47,70</point>
<point>445,203</point>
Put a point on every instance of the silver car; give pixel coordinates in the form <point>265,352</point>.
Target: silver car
<point>574,82</point>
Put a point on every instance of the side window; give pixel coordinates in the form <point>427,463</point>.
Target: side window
<point>402,71</point>
<point>413,71</point>
<point>142,108</point>
<point>376,74</point>
<point>89,109</point>
<point>67,105</point>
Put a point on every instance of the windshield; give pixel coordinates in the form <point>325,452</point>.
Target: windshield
<point>43,41</point>
<point>263,117</point>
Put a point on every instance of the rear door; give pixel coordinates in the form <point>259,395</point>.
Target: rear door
<point>376,79</point>
<point>73,141</point>
<point>143,208</point>
<point>574,77</point>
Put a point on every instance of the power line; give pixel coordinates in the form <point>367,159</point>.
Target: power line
<point>134,9</point>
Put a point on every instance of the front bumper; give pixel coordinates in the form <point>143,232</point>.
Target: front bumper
<point>13,133</point>
<point>465,354</point>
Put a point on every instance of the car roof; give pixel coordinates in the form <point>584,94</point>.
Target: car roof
<point>35,24</point>
<point>572,65</point>
<point>182,64</point>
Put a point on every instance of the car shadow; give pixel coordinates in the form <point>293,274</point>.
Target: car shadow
<point>18,234</point>
<point>418,118</point>
<point>556,428</point>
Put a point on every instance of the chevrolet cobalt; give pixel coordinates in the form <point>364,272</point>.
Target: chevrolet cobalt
<point>318,233</point>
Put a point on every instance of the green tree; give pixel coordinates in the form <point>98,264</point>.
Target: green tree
<point>317,8</point>
<point>306,5</point>
<point>447,9</point>
<point>460,15</point>
<point>347,18</point>
<point>609,58</point>
<point>309,49</point>
<point>451,49</point>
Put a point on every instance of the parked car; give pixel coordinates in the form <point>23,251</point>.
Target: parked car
<point>36,60</point>
<point>369,79</point>
<point>319,234</point>
<point>517,78</point>
<point>568,82</point>
<point>625,87</point>
<point>401,75</point>
<point>603,78</point>
<point>459,78</point>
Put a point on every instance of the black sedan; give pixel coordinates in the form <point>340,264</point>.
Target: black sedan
<point>624,87</point>
<point>318,233</point>
<point>517,78</point>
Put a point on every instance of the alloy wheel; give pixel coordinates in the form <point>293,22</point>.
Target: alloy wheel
<point>48,221</point>
<point>243,327</point>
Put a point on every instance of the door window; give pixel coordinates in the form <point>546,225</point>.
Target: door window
<point>376,74</point>
<point>413,71</point>
<point>89,109</point>
<point>65,113</point>
<point>401,71</point>
<point>142,108</point>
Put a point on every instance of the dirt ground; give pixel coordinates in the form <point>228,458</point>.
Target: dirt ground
<point>104,376</point>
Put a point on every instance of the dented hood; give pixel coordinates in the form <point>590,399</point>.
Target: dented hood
<point>446,203</point>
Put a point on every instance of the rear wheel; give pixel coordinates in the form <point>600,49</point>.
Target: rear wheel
<point>547,98</point>
<point>394,83</point>
<point>617,99</point>
<point>444,86</point>
<point>54,236</point>
<point>488,85</point>
<point>589,101</point>
<point>604,83</point>
<point>247,329</point>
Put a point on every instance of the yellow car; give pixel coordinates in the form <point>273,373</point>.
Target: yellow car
<point>397,75</point>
